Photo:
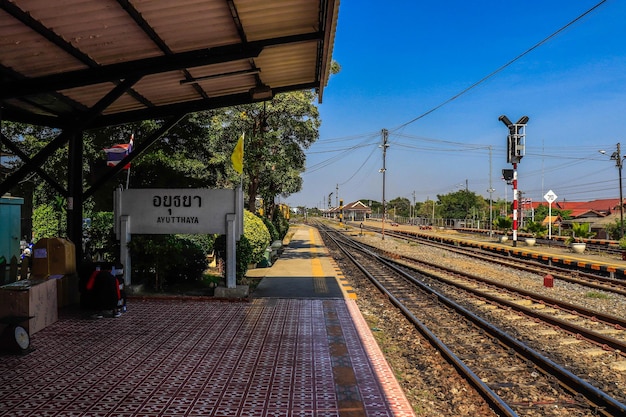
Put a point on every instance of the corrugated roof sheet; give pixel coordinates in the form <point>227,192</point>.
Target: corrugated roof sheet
<point>59,58</point>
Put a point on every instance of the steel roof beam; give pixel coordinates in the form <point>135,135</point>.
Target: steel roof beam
<point>82,121</point>
<point>161,112</point>
<point>142,67</point>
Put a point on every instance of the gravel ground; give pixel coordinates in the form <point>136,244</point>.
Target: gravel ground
<point>431,385</point>
<point>563,291</point>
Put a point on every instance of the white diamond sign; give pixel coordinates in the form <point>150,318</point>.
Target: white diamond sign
<point>550,197</point>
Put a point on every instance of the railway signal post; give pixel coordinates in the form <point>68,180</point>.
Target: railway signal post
<point>515,150</point>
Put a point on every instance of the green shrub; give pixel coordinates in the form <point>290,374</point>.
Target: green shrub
<point>281,223</point>
<point>537,229</point>
<point>257,234</point>
<point>503,223</point>
<point>161,260</point>
<point>271,229</point>
<point>614,230</point>
<point>188,260</point>
<point>244,254</point>
<point>251,247</point>
<point>244,257</point>
<point>579,232</point>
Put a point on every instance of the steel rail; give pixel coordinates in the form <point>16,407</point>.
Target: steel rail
<point>605,404</point>
<point>604,283</point>
<point>493,399</point>
<point>606,318</point>
<point>602,340</point>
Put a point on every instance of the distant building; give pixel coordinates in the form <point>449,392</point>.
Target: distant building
<point>597,213</point>
<point>354,212</point>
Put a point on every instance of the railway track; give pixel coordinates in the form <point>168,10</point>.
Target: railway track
<point>512,377</point>
<point>595,281</point>
<point>605,330</point>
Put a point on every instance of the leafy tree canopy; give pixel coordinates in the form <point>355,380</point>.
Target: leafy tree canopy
<point>399,206</point>
<point>458,205</point>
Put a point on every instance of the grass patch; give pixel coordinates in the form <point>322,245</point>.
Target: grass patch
<point>600,295</point>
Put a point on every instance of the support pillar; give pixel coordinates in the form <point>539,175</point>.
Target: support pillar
<point>75,193</point>
<point>124,251</point>
<point>231,290</point>
<point>231,252</point>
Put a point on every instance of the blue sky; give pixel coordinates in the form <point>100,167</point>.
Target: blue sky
<point>402,59</point>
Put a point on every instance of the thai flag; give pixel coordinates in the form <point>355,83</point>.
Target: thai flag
<point>118,152</point>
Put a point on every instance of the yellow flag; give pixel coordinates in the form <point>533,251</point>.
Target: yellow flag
<point>237,157</point>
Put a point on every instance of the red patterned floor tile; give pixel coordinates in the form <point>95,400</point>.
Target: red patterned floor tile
<point>163,358</point>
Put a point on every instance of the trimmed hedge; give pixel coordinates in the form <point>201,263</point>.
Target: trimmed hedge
<point>158,260</point>
<point>257,234</point>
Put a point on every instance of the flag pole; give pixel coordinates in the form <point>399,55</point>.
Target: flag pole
<point>131,145</point>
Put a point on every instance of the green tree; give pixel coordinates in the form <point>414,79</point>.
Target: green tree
<point>428,209</point>
<point>614,230</point>
<point>194,153</point>
<point>277,133</point>
<point>458,205</point>
<point>399,206</point>
<point>542,211</point>
<point>45,222</point>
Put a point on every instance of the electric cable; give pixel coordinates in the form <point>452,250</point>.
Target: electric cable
<point>500,69</point>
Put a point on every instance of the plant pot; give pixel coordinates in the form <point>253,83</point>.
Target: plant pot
<point>578,247</point>
<point>530,241</point>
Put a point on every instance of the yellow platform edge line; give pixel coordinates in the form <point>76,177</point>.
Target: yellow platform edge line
<point>346,288</point>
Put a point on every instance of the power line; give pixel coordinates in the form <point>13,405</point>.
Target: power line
<point>482,80</point>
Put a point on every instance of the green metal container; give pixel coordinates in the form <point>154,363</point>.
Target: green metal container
<point>10,226</point>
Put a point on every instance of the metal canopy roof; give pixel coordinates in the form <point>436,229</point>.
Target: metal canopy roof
<point>118,61</point>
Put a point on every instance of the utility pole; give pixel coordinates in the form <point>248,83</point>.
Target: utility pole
<point>618,162</point>
<point>617,157</point>
<point>490,190</point>
<point>413,208</point>
<point>385,134</point>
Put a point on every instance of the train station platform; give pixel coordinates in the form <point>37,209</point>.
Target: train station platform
<point>298,347</point>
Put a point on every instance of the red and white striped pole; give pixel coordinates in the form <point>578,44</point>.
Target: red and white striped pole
<point>515,199</point>
<point>515,147</point>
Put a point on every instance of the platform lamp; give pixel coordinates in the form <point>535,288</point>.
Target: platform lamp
<point>617,157</point>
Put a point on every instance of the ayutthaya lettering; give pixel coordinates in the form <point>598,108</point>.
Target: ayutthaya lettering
<point>175,201</point>
<point>178,219</point>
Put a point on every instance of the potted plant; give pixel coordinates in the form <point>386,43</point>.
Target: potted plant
<point>537,230</point>
<point>579,232</point>
<point>503,224</point>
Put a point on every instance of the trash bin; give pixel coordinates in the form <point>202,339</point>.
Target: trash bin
<point>267,259</point>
